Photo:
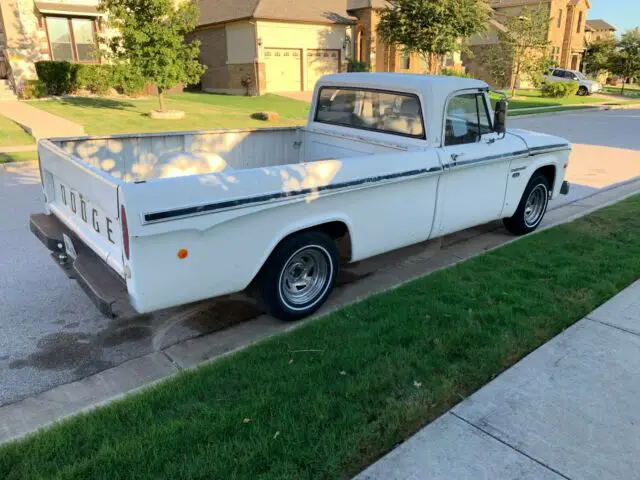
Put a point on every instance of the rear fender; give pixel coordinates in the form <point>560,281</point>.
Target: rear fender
<point>300,225</point>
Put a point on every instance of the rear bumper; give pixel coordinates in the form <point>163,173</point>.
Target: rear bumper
<point>564,190</point>
<point>105,288</point>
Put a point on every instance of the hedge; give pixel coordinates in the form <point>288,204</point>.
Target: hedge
<point>559,89</point>
<point>63,78</point>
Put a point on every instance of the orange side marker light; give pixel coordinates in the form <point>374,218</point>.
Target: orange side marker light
<point>183,253</point>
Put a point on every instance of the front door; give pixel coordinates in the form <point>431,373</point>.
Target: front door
<point>476,160</point>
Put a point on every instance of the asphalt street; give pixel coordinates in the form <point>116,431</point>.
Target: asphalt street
<point>50,333</point>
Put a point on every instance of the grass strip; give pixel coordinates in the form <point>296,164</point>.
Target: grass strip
<point>516,113</point>
<point>18,157</point>
<point>329,398</point>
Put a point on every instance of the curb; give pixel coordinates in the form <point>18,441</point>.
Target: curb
<point>573,109</point>
<point>23,417</point>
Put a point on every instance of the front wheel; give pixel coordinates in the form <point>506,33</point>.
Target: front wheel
<point>532,207</point>
<point>299,276</point>
<point>583,91</point>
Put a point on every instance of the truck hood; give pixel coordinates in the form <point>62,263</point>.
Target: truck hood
<point>538,141</point>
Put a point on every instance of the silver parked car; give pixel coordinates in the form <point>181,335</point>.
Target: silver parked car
<point>586,86</point>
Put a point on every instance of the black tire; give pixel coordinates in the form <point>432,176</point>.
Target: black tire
<point>526,220</point>
<point>583,91</point>
<point>275,290</point>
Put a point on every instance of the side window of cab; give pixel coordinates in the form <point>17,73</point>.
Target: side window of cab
<point>467,119</point>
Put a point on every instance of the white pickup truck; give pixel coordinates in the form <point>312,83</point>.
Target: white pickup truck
<point>385,161</point>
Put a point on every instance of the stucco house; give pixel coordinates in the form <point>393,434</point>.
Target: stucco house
<point>260,46</point>
<point>598,30</point>
<point>566,33</point>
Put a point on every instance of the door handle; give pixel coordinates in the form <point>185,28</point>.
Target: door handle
<point>454,158</point>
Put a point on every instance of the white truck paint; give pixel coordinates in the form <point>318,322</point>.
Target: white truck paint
<point>236,201</point>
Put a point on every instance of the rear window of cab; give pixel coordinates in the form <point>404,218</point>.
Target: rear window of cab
<point>374,110</point>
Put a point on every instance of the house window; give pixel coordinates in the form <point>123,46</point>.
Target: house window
<point>579,23</point>
<point>559,18</point>
<point>405,60</point>
<point>72,39</point>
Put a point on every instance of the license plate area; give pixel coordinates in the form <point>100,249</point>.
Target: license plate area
<point>69,247</point>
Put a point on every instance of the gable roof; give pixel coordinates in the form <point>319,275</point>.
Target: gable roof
<point>518,3</point>
<point>600,25</point>
<point>324,11</point>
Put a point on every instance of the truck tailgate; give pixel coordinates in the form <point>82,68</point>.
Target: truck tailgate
<point>85,199</point>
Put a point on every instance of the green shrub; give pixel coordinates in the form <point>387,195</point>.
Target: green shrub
<point>59,78</point>
<point>450,72</point>
<point>127,80</point>
<point>559,89</point>
<point>31,89</point>
<point>356,66</point>
<point>63,78</point>
<point>95,78</point>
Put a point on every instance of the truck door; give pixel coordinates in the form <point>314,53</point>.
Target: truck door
<point>476,162</point>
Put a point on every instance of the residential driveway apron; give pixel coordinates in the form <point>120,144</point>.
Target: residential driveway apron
<point>51,334</point>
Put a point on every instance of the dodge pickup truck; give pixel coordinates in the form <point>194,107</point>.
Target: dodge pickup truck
<point>385,160</point>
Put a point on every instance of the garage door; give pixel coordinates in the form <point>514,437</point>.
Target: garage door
<point>282,69</point>
<point>319,63</point>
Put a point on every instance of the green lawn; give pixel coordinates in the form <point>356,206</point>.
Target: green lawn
<point>329,398</point>
<point>549,110</point>
<point>631,91</point>
<point>11,134</point>
<point>18,157</point>
<point>533,98</point>
<point>101,116</point>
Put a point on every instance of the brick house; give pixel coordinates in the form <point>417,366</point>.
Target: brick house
<point>260,46</point>
<point>254,46</point>
<point>566,33</point>
<point>31,31</point>
<point>597,31</point>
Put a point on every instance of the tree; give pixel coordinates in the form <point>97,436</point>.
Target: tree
<point>152,40</point>
<point>597,57</point>
<point>625,60</point>
<point>522,49</point>
<point>429,27</point>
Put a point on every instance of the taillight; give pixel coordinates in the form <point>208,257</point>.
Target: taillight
<point>125,231</point>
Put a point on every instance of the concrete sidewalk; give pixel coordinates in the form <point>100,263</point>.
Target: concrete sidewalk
<point>38,123</point>
<point>569,410</point>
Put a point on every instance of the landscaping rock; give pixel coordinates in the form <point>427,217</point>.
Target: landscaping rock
<point>167,114</point>
<point>266,116</point>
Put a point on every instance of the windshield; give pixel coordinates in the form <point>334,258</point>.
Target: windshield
<point>580,76</point>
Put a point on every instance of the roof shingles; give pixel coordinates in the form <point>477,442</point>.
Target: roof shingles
<point>600,25</point>
<point>326,11</point>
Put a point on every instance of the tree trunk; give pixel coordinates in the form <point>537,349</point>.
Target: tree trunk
<point>163,107</point>
<point>624,80</point>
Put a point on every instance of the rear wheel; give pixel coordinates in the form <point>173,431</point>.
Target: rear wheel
<point>532,207</point>
<point>299,276</point>
<point>583,91</point>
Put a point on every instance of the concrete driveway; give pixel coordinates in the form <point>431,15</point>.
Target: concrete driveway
<point>51,334</point>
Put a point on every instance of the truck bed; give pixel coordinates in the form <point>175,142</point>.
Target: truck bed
<point>137,158</point>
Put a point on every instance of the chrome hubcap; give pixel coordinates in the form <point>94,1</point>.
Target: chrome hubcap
<point>305,276</point>
<point>536,206</point>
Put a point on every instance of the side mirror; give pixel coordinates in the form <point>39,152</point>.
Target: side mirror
<point>500,117</point>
